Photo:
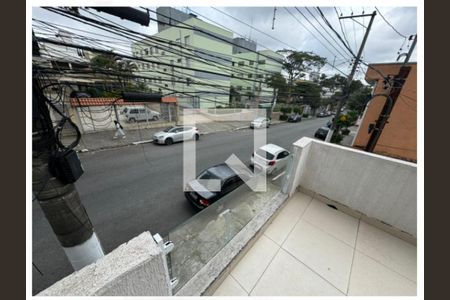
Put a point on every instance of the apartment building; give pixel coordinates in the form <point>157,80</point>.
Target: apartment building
<point>191,64</point>
<point>200,66</point>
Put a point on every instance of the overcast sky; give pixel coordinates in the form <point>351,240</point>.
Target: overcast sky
<point>382,45</point>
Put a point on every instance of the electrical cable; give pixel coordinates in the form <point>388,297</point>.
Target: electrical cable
<point>390,25</point>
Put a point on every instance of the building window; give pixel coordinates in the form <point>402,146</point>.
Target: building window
<point>250,63</point>
<point>160,80</point>
<point>146,51</point>
<point>249,88</point>
<point>178,41</point>
<point>188,62</point>
<point>241,63</point>
<point>232,75</point>
<point>260,76</point>
<point>162,52</point>
<point>151,51</point>
<point>232,63</point>
<point>179,60</point>
<point>262,62</point>
<point>239,88</point>
<point>186,40</point>
<point>153,65</point>
<point>171,61</point>
<point>156,49</point>
<point>250,75</point>
<point>165,70</point>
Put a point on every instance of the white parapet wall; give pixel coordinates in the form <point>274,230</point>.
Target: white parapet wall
<point>136,268</point>
<point>379,187</point>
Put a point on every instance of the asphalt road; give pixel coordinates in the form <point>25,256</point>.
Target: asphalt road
<point>139,188</point>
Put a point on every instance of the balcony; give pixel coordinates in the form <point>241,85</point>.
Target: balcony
<point>312,249</point>
<point>340,222</point>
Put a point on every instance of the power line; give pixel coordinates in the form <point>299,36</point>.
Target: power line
<point>325,29</point>
<point>337,50</point>
<point>307,29</point>
<point>340,24</point>
<point>256,29</point>
<point>393,28</point>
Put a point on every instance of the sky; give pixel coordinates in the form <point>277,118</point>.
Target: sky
<point>383,43</point>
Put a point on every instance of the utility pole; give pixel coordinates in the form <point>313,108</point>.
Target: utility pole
<point>391,99</point>
<point>411,49</point>
<point>346,91</point>
<point>274,101</point>
<point>58,198</point>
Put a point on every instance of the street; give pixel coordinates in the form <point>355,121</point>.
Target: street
<point>139,188</point>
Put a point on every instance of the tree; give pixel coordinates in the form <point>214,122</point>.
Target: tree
<point>334,83</point>
<point>278,82</point>
<point>111,63</point>
<point>297,63</point>
<point>308,93</point>
<point>358,99</point>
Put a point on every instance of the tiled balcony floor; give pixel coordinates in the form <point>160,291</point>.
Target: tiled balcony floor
<point>311,249</point>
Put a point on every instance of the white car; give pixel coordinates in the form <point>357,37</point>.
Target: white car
<point>270,158</point>
<point>136,114</point>
<point>260,123</point>
<point>176,134</point>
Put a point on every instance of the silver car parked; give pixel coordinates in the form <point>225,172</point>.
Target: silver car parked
<point>176,134</point>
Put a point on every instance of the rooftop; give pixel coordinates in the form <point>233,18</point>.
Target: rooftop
<point>312,249</point>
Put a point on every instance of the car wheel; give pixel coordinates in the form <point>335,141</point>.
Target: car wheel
<point>168,141</point>
<point>155,118</point>
<point>132,120</point>
<point>197,137</point>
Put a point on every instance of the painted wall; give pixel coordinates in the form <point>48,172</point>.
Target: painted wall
<point>379,187</point>
<point>136,268</point>
<point>210,96</point>
<point>399,136</point>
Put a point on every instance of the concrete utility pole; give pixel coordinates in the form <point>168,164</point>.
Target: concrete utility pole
<point>346,90</point>
<point>391,99</point>
<point>59,201</point>
<point>411,49</point>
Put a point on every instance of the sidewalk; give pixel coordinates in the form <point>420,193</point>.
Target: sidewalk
<point>348,139</point>
<point>101,140</point>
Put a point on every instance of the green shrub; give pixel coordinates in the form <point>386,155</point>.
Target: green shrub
<point>298,110</point>
<point>336,138</point>
<point>305,115</point>
<point>286,110</point>
<point>345,131</point>
<point>283,117</point>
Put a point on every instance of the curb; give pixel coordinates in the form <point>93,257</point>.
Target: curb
<point>150,141</point>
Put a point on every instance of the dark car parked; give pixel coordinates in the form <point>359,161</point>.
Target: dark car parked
<point>321,133</point>
<point>322,115</point>
<point>200,197</point>
<point>294,118</point>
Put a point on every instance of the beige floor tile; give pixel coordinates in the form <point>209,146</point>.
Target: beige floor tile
<point>279,229</point>
<point>230,287</point>
<point>389,250</point>
<point>286,276</point>
<point>252,265</point>
<point>336,223</point>
<point>370,278</point>
<point>323,253</point>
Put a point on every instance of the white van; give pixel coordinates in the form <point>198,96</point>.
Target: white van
<point>140,113</point>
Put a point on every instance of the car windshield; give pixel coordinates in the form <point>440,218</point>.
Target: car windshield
<point>259,119</point>
<point>168,129</point>
<point>264,154</point>
<point>207,175</point>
